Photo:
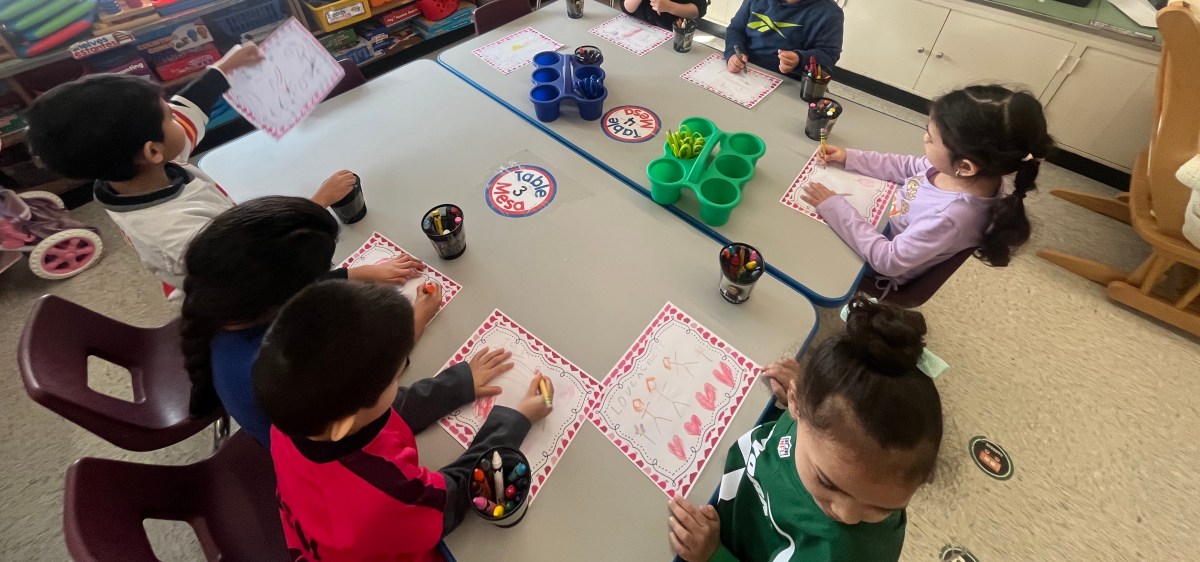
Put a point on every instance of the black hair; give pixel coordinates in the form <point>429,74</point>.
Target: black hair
<point>95,127</point>
<point>870,372</point>
<point>1001,132</point>
<point>332,351</point>
<point>242,267</point>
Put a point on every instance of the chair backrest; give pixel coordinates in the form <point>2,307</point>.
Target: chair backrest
<point>497,13</point>
<point>53,359</point>
<point>354,78</point>
<point>1176,131</point>
<point>228,498</point>
<point>919,290</point>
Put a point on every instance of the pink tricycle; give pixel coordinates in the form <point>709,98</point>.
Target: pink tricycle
<point>37,223</point>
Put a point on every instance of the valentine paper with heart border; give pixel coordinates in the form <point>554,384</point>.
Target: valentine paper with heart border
<point>869,196</point>
<point>574,394</point>
<point>379,242</point>
<point>712,394</point>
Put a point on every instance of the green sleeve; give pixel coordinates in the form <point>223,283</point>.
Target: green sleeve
<point>723,555</point>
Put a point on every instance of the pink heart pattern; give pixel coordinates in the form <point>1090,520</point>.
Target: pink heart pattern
<point>708,400</point>
<point>724,374</point>
<point>692,426</point>
<point>676,448</point>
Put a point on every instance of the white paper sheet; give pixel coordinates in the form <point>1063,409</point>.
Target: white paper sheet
<point>514,51</point>
<point>1140,11</point>
<point>295,75</point>
<point>870,196</point>
<point>632,34</point>
<point>378,248</point>
<point>669,400</point>
<point>743,88</point>
<point>574,394</point>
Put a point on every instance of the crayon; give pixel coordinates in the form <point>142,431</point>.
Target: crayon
<point>498,511</point>
<point>483,504</point>
<point>483,483</point>
<point>510,506</point>
<point>544,391</point>
<point>497,476</point>
<point>517,472</point>
<point>429,289</point>
<point>510,492</point>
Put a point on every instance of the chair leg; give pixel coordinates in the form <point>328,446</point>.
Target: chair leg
<point>1132,297</point>
<point>1188,297</point>
<point>1155,273</point>
<point>1107,206</point>
<point>221,431</point>
<point>1085,268</point>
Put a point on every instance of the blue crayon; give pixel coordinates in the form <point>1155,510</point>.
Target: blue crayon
<point>517,472</point>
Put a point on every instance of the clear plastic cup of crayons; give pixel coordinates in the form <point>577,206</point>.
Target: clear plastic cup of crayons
<point>822,114</point>
<point>741,266</point>
<point>500,485</point>
<point>444,227</point>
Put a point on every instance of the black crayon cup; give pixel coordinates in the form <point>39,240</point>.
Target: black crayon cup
<point>823,113</point>
<point>515,505</point>
<point>741,266</point>
<point>353,207</point>
<point>813,88</point>
<point>445,230</point>
<point>684,30</point>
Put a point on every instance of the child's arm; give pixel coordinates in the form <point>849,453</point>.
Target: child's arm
<point>920,242</point>
<point>429,400</point>
<point>735,33</point>
<point>631,6</point>
<point>889,167</point>
<point>192,104</point>
<point>690,9</point>
<point>826,46</point>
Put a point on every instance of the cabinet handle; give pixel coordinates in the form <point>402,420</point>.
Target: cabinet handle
<point>940,55</point>
<point>920,50</point>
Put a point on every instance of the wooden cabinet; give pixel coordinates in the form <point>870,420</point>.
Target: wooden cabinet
<point>1104,107</point>
<point>721,11</point>
<point>972,50</point>
<point>890,40</point>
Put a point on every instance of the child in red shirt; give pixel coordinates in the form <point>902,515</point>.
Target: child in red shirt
<point>350,484</point>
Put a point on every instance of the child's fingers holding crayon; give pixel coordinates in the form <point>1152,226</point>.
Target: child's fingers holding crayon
<point>246,54</point>
<point>832,154</point>
<point>535,407</point>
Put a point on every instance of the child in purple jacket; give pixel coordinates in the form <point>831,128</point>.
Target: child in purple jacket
<point>953,198</point>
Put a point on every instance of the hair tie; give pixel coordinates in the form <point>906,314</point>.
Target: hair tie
<point>1030,157</point>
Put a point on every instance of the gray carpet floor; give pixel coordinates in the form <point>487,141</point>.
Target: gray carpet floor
<point>1094,403</point>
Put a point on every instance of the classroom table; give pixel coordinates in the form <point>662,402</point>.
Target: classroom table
<point>586,275</point>
<point>802,252</point>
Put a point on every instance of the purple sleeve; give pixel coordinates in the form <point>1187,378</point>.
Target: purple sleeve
<point>888,167</point>
<point>923,240</point>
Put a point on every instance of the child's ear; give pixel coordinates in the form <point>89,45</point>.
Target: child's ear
<point>154,152</point>
<point>339,429</point>
<point>965,169</point>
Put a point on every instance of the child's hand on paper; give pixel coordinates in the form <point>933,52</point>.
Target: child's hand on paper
<point>334,189</point>
<point>833,155</point>
<point>240,56</point>
<point>487,365</point>
<point>788,61</point>
<point>695,531</point>
<point>737,63</point>
<point>779,376</point>
<point>662,6</point>
<point>816,193</point>
<point>429,299</point>
<point>396,270</point>
<point>534,406</point>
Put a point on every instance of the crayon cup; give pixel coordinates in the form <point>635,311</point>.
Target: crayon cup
<point>736,279</point>
<point>813,88</point>
<point>353,207</point>
<point>822,114</point>
<point>575,9</point>
<point>683,35</point>
<point>520,501</point>
<point>451,241</point>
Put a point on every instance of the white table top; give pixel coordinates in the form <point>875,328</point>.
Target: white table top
<point>419,137</point>
<point>804,253</point>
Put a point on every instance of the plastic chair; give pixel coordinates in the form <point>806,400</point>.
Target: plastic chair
<point>52,356</point>
<point>228,499</point>
<point>497,13</point>
<point>1157,200</point>
<point>916,292</point>
<point>353,79</point>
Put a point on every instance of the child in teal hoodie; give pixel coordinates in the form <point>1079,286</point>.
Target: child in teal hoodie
<point>781,35</point>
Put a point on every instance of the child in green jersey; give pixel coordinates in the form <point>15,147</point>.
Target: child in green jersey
<point>830,480</point>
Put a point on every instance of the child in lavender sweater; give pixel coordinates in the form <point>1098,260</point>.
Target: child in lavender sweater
<point>953,198</point>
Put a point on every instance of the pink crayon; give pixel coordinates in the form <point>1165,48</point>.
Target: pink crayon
<point>483,504</point>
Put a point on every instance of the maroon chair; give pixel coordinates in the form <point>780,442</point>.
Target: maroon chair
<point>228,499</point>
<point>353,79</point>
<point>52,356</point>
<point>499,12</point>
<point>916,292</point>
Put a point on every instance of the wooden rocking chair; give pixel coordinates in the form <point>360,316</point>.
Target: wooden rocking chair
<point>1156,201</point>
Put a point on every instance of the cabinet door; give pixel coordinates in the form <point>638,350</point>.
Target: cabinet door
<point>973,50</point>
<point>720,11</point>
<point>1104,107</point>
<point>889,40</point>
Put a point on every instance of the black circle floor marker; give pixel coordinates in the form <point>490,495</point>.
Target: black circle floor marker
<point>990,458</point>
<point>956,554</point>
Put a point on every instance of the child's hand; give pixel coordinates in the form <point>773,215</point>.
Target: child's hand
<point>396,270</point>
<point>695,531</point>
<point>780,375</point>
<point>429,299</point>
<point>487,365</point>
<point>737,63</point>
<point>246,54</point>
<point>534,406</point>
<point>833,155</point>
<point>334,189</point>
<point>816,193</point>
<point>788,61</point>
<point>662,6</point>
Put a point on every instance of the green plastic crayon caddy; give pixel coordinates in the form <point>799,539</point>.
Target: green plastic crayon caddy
<point>716,180</point>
